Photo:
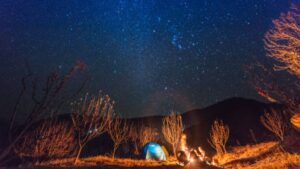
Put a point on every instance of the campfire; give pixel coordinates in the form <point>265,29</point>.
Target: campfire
<point>188,155</point>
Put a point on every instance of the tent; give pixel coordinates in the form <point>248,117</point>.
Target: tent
<point>153,151</point>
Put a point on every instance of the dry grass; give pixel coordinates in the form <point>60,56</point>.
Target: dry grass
<point>127,162</point>
<point>260,156</point>
<point>108,161</point>
<point>276,160</point>
<point>244,152</point>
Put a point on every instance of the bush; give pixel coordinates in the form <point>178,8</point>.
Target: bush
<point>51,139</point>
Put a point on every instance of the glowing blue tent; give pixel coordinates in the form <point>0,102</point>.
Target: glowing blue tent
<point>153,151</point>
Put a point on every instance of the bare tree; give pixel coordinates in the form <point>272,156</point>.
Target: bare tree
<point>172,130</point>
<point>219,135</point>
<point>119,132</point>
<point>134,137</point>
<point>46,102</point>
<point>140,135</point>
<point>283,40</point>
<point>91,118</point>
<point>282,43</point>
<point>147,134</point>
<point>275,122</point>
<point>273,87</point>
<point>51,139</point>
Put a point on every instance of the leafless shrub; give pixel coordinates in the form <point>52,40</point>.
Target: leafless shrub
<point>147,134</point>
<point>51,139</point>
<point>91,118</point>
<point>119,132</point>
<point>275,122</point>
<point>219,135</point>
<point>172,130</point>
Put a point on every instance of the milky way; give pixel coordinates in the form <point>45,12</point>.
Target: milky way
<point>151,56</point>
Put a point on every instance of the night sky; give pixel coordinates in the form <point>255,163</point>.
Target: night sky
<point>150,56</point>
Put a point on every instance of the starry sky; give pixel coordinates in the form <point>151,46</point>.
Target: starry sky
<point>150,56</point>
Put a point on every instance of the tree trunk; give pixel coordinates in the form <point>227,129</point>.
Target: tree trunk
<point>224,149</point>
<point>174,151</point>
<point>136,149</point>
<point>78,154</point>
<point>114,150</point>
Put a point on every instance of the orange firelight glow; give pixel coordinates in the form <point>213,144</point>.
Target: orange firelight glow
<point>183,146</point>
<point>200,153</point>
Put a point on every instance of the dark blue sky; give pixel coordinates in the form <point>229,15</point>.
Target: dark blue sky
<point>151,56</point>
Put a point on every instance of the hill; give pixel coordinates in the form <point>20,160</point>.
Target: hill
<point>241,115</point>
